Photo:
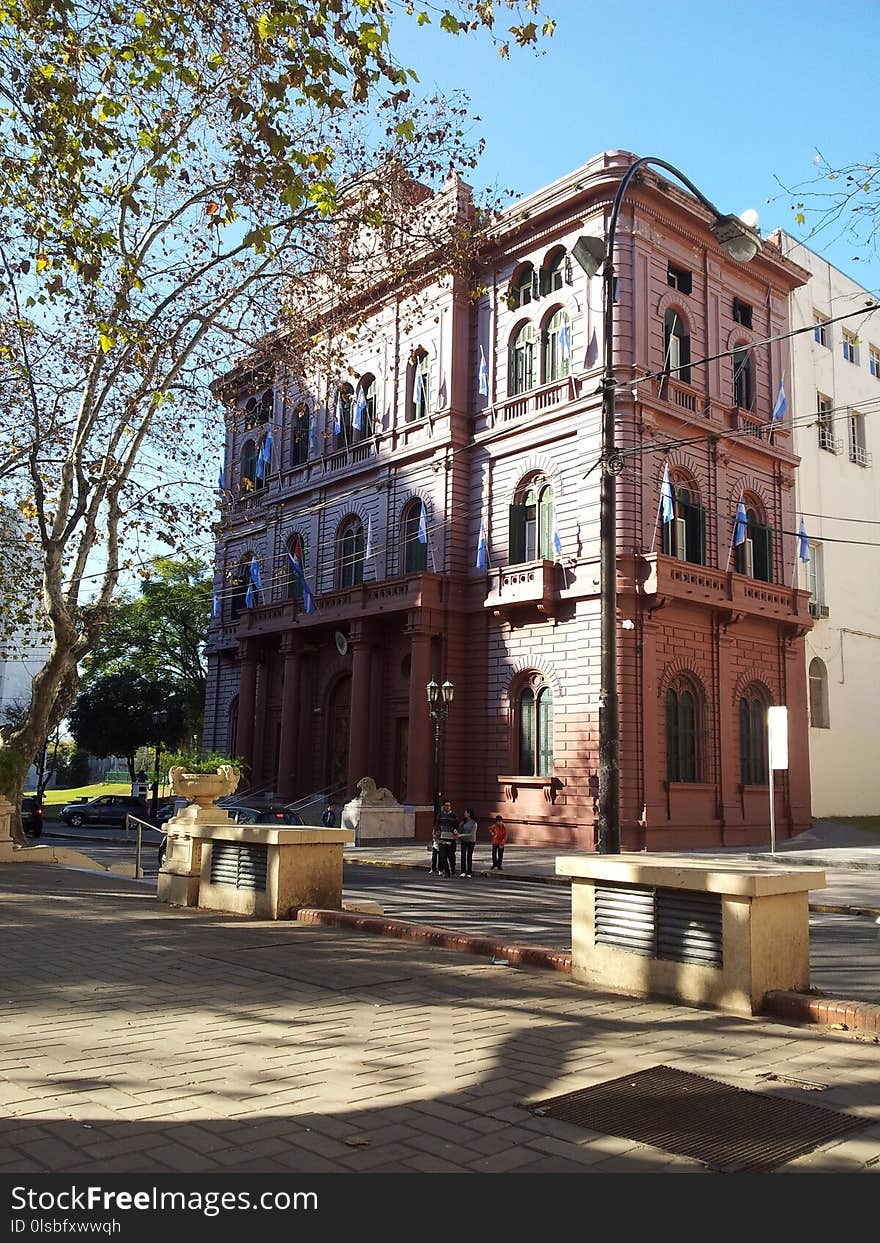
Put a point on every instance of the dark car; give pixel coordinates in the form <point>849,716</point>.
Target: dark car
<point>31,815</point>
<point>242,814</point>
<point>106,809</point>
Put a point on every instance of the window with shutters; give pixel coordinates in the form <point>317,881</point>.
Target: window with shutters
<point>534,728</point>
<point>753,736</point>
<point>523,356</point>
<point>299,442</point>
<point>418,386</point>
<point>249,480</point>
<point>676,345</point>
<point>556,272</point>
<point>531,523</point>
<point>342,415</point>
<point>685,535</point>
<point>819,714</point>
<point>293,581</point>
<point>742,312</point>
<point>754,554</point>
<point>679,278</point>
<point>743,381</point>
<point>239,581</point>
<point>684,716</point>
<point>825,422</point>
<point>350,553</point>
<point>557,346</point>
<point>850,347</point>
<point>415,539</point>
<point>367,387</point>
<point>524,287</point>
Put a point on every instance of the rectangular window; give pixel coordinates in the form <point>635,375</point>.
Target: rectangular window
<point>742,312</point>
<point>875,362</point>
<point>857,450</point>
<point>679,278</point>
<point>825,407</point>
<point>820,329</point>
<point>850,347</point>
<point>816,578</point>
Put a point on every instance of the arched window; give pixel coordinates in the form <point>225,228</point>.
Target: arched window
<point>676,346</point>
<point>523,288</point>
<point>418,384</point>
<point>293,581</point>
<point>531,523</point>
<point>557,346</point>
<point>754,554</point>
<point>343,414</point>
<point>684,536</point>
<point>534,724</point>
<point>556,272</point>
<point>249,480</point>
<point>239,580</point>
<point>365,406</point>
<point>523,351</point>
<point>350,553</point>
<point>415,539</point>
<point>299,435</point>
<point>683,733</point>
<point>259,410</point>
<point>819,715</point>
<point>753,738</point>
<point>743,379</point>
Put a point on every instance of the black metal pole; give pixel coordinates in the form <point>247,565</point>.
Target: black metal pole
<point>156,779</point>
<point>436,715</point>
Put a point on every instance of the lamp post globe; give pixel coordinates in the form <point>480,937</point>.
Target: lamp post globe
<point>741,241</point>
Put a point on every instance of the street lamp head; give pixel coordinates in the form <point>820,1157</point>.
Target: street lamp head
<point>433,690</point>
<point>447,690</point>
<point>740,240</point>
<point>589,253</point>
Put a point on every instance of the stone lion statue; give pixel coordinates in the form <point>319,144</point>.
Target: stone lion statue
<point>369,792</point>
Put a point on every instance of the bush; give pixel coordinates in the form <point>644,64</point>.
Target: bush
<point>191,763</point>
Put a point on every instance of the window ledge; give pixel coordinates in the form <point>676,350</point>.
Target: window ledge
<point>530,782</point>
<point>513,784</point>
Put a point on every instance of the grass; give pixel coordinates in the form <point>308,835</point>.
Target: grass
<point>57,798</point>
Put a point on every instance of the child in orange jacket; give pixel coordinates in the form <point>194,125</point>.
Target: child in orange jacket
<point>498,833</point>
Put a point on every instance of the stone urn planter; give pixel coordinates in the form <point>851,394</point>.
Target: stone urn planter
<point>203,789</point>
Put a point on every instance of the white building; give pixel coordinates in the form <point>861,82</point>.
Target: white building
<point>834,375</point>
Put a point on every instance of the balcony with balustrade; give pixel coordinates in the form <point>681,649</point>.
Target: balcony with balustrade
<point>667,580</point>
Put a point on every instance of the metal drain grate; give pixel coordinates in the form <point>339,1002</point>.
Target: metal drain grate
<point>727,1128</point>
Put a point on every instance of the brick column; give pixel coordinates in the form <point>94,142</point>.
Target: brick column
<point>418,782</point>
<point>247,693</point>
<point>288,766</point>
<point>360,726</point>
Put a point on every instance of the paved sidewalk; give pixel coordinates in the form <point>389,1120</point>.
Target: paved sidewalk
<point>140,1038</point>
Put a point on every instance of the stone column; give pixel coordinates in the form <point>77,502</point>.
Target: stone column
<point>360,724</point>
<point>288,767</point>
<point>418,784</point>
<point>247,693</point>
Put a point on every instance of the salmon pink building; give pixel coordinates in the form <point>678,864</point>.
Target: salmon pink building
<point>431,512</point>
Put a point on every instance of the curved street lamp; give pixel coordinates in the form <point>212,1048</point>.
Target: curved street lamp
<point>439,703</point>
<point>742,242</point>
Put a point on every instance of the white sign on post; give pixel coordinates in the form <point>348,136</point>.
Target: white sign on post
<point>777,746</point>
<point>777,736</point>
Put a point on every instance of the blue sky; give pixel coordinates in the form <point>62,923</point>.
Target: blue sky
<point>735,95</point>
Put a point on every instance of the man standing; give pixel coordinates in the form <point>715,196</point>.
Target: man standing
<point>447,827</point>
<point>328,817</point>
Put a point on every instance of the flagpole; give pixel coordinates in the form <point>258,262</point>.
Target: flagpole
<point>657,518</point>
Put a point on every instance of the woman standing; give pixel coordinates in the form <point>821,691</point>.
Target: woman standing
<point>499,837</point>
<point>467,836</point>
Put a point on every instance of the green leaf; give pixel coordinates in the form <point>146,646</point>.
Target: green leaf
<point>450,24</point>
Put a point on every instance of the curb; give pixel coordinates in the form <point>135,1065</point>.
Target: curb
<point>849,1016</point>
<point>466,943</point>
<point>529,877</point>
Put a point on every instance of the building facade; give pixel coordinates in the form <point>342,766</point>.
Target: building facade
<point>433,513</point>
<point>835,380</point>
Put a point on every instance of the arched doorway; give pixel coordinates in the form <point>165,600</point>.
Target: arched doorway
<point>339,725</point>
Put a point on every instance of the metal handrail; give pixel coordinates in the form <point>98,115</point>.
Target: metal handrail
<point>318,794</point>
<point>138,846</point>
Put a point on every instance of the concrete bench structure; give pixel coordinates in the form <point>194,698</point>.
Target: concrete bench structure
<point>707,934</point>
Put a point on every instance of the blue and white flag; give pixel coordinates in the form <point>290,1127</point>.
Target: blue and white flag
<point>217,608</point>
<point>482,550</point>
<point>667,500</point>
<point>368,550</point>
<point>423,525</point>
<point>299,575</point>
<point>555,540</point>
<point>565,341</point>
<point>780,405</point>
<point>255,573</point>
<point>266,451</point>
<point>740,523</point>
<point>803,543</point>
<point>484,375</point>
<point>421,395</point>
<point>260,468</point>
<point>249,596</point>
<point>360,409</point>
<point>337,417</point>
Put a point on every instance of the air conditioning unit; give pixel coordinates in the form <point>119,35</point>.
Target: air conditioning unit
<point>817,609</point>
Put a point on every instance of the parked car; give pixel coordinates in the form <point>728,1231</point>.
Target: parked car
<point>278,814</point>
<point>31,815</point>
<point>106,809</point>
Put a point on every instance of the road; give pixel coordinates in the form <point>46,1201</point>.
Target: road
<point>844,949</point>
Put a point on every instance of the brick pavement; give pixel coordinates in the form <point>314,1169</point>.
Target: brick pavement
<point>138,1038</point>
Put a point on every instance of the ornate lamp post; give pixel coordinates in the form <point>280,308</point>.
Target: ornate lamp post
<point>741,242</point>
<point>160,717</point>
<point>439,703</point>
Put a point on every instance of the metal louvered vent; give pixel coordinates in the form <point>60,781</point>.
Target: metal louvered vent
<point>243,865</point>
<point>625,918</point>
<point>676,925</point>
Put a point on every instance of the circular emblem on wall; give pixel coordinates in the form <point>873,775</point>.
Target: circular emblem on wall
<point>341,643</point>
